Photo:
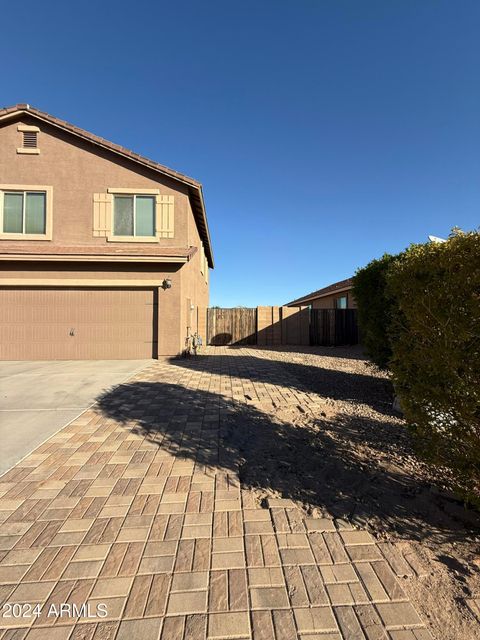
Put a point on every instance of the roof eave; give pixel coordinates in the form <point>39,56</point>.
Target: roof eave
<point>300,301</point>
<point>208,247</point>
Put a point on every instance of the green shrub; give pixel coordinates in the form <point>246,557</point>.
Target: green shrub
<point>435,351</point>
<point>375,309</point>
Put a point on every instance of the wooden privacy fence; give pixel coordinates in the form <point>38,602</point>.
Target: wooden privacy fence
<point>272,326</point>
<point>333,327</point>
<point>231,326</point>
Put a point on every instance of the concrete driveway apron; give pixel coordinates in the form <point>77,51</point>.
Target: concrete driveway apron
<point>39,398</point>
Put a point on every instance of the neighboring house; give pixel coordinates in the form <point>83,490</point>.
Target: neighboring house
<point>335,296</point>
<point>104,254</point>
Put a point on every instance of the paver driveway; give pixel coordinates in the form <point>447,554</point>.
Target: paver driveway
<point>138,505</point>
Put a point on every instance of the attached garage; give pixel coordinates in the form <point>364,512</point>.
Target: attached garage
<point>78,323</point>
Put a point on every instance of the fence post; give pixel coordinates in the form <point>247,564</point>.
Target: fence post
<point>286,313</point>
<point>263,323</point>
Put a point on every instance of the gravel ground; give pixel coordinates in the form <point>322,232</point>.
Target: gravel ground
<point>352,457</point>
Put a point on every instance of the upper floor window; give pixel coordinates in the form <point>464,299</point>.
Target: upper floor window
<point>25,212</point>
<point>341,303</point>
<point>134,215</point>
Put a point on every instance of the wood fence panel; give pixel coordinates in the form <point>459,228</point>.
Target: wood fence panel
<point>295,325</point>
<point>231,326</point>
<point>274,326</point>
<point>333,327</point>
<point>346,327</point>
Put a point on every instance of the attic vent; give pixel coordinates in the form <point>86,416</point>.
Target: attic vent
<point>29,139</point>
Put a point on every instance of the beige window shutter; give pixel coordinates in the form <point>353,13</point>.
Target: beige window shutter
<point>202,260</point>
<point>102,214</point>
<point>165,216</point>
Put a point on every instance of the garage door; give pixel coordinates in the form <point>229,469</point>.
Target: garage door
<point>77,323</point>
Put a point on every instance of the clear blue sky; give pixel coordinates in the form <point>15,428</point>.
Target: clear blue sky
<point>324,132</point>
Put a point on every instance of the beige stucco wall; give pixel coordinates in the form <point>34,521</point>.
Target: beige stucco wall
<point>76,170</point>
<point>194,284</point>
<point>328,302</point>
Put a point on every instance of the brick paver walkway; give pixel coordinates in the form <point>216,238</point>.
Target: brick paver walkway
<point>137,505</point>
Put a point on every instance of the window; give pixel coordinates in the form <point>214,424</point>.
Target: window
<point>134,215</point>
<point>24,212</point>
<point>341,303</point>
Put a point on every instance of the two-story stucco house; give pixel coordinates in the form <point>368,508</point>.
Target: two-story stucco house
<point>104,254</point>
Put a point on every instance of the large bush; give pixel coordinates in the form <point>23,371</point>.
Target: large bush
<point>435,350</point>
<point>375,309</point>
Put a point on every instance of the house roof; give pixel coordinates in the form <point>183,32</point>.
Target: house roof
<point>342,285</point>
<point>194,187</point>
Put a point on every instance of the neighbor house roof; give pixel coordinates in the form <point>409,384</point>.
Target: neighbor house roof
<point>194,188</point>
<point>342,285</point>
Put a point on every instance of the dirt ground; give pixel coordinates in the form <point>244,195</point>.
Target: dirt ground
<point>347,454</point>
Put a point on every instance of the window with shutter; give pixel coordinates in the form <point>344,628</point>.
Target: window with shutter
<point>132,215</point>
<point>128,215</point>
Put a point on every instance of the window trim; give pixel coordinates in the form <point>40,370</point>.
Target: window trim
<point>23,188</point>
<point>138,191</point>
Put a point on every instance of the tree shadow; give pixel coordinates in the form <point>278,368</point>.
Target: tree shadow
<point>313,459</point>
<point>334,384</point>
<point>347,352</point>
<point>221,339</point>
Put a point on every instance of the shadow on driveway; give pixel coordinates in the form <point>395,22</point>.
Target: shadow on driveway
<point>333,383</point>
<point>319,460</point>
